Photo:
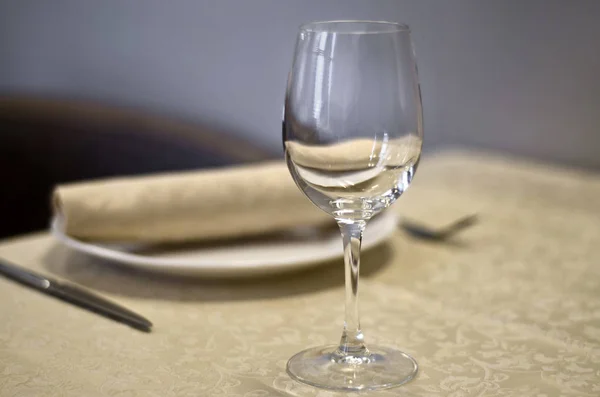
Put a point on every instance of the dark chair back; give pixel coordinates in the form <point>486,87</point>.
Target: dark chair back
<point>45,142</point>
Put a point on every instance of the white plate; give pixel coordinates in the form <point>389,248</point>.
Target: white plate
<point>286,252</point>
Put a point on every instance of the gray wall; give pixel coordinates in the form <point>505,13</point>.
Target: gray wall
<point>514,75</point>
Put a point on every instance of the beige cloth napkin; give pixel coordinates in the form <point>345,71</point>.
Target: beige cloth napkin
<point>209,204</point>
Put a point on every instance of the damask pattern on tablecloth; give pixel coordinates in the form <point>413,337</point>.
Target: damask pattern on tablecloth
<point>511,308</point>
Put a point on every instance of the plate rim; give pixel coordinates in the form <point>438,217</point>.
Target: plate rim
<point>388,221</point>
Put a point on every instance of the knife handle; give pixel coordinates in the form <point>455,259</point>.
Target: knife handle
<point>87,300</point>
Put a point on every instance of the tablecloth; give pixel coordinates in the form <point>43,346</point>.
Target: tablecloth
<point>511,307</point>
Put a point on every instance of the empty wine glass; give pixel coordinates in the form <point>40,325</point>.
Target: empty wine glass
<point>352,134</point>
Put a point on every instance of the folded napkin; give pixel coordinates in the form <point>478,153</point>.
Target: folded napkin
<point>221,203</point>
<point>174,207</point>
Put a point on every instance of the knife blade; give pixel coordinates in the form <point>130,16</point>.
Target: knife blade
<point>73,294</point>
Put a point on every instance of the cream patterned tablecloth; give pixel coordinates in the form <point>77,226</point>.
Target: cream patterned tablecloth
<point>510,308</point>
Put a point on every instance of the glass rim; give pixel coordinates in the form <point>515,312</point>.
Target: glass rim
<point>385,26</point>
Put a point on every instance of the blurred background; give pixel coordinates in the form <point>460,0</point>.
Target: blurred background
<point>101,88</point>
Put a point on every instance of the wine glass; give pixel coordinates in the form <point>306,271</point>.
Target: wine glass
<point>352,133</point>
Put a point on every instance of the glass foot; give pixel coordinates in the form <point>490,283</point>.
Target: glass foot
<point>380,368</point>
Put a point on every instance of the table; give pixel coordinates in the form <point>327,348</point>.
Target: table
<point>509,308</point>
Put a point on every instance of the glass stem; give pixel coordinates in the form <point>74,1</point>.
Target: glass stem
<point>352,341</point>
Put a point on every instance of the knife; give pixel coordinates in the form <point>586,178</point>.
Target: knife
<point>74,294</point>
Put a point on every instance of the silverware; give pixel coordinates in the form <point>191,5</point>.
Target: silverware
<point>427,233</point>
<point>74,294</point>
